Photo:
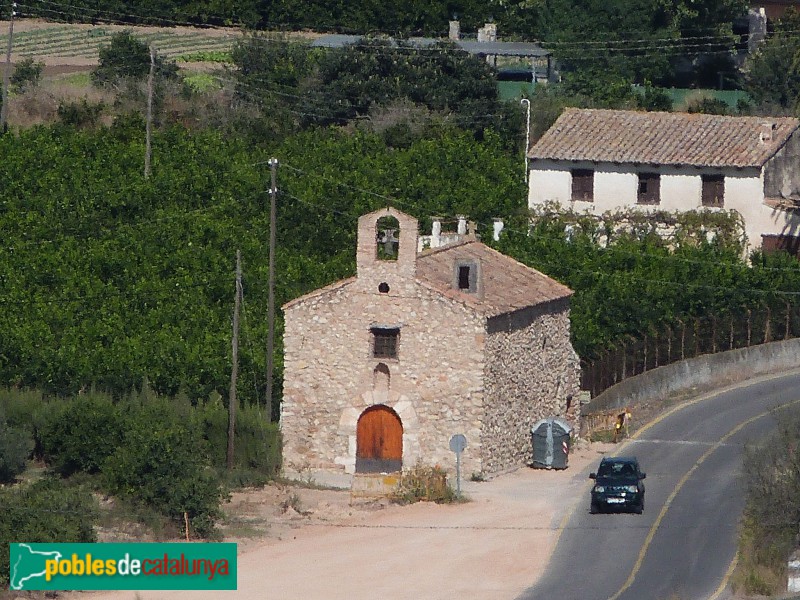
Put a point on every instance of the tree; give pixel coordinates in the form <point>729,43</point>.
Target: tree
<point>27,74</point>
<point>773,72</point>
<point>128,58</point>
<point>634,41</point>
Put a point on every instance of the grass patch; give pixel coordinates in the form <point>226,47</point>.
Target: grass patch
<point>79,79</point>
<point>200,83</point>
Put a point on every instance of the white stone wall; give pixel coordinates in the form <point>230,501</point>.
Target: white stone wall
<point>531,370</point>
<point>615,187</point>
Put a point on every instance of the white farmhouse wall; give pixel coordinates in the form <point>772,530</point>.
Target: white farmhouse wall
<point>612,188</point>
<point>615,187</point>
<point>549,182</point>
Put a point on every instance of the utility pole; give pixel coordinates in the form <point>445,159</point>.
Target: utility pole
<point>149,126</point>
<point>7,71</point>
<point>273,192</point>
<point>232,399</point>
<point>527,104</point>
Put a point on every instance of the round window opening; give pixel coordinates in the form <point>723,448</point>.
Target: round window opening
<point>383,288</point>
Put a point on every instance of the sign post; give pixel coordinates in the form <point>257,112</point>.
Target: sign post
<point>457,444</point>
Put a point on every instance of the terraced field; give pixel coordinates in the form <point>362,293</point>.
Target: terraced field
<point>56,44</point>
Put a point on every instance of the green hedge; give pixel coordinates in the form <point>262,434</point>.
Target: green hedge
<point>46,511</point>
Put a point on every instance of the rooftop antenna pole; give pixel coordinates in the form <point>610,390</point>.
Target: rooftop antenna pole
<point>527,104</point>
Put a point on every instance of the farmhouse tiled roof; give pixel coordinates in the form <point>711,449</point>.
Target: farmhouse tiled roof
<point>508,285</point>
<point>660,138</point>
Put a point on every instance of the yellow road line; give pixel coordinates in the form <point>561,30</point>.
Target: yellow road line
<point>726,577</point>
<point>568,515</point>
<point>654,528</point>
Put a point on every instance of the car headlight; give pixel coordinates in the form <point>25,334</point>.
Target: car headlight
<point>599,489</point>
<point>631,488</point>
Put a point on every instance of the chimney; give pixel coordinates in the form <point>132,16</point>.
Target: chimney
<point>462,225</point>
<point>766,133</point>
<point>488,33</point>
<point>498,227</point>
<point>436,232</point>
<point>455,30</point>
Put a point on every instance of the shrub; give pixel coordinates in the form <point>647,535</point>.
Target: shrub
<point>27,74</point>
<point>15,449</point>
<point>20,407</point>
<point>709,106</point>
<point>79,434</point>
<point>46,511</point>
<point>163,464</point>
<point>424,483</point>
<point>81,113</point>
<point>126,57</point>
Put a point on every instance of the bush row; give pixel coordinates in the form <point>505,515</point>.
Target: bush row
<point>162,453</point>
<point>44,512</point>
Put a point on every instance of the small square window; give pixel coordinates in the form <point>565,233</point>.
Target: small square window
<point>649,190</point>
<point>583,185</point>
<point>465,276</point>
<point>713,194</point>
<point>384,342</point>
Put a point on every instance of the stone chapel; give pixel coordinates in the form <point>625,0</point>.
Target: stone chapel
<point>383,368</point>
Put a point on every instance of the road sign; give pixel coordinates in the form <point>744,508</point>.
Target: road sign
<point>458,443</point>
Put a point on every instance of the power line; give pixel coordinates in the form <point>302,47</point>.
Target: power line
<point>409,205</point>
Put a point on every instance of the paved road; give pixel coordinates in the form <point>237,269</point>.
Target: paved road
<point>683,545</point>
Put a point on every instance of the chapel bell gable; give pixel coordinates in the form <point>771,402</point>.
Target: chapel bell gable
<point>387,247</point>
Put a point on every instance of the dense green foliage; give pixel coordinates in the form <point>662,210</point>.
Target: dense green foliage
<point>157,453</point>
<point>44,512</point>
<point>637,281</point>
<point>108,277</point>
<point>602,48</point>
<point>374,81</point>
<point>80,434</point>
<point>163,463</point>
<point>27,74</point>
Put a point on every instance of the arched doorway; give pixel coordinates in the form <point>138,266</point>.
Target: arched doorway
<point>379,441</point>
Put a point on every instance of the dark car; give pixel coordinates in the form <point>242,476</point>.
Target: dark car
<point>618,485</point>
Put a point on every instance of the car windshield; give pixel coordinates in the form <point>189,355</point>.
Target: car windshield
<point>616,469</point>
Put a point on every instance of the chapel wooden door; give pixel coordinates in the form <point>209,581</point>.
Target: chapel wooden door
<point>379,441</point>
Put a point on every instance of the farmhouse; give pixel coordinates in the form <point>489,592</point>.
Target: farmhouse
<point>602,160</point>
<point>382,369</point>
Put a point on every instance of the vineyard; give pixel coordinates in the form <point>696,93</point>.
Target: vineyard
<point>56,44</point>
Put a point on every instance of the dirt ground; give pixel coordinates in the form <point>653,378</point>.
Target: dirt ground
<point>297,542</point>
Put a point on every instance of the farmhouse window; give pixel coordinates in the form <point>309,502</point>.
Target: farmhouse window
<point>583,185</point>
<point>713,190</point>
<point>649,191</point>
<point>384,342</point>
